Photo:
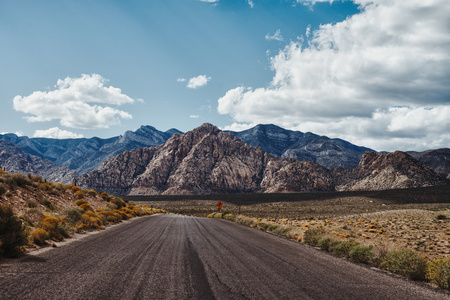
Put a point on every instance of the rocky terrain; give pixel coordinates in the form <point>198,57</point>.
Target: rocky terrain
<point>83,155</point>
<point>438,160</point>
<point>14,159</point>
<point>329,153</point>
<point>396,170</point>
<point>207,160</point>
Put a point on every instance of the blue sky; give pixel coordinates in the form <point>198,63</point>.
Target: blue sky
<point>375,73</point>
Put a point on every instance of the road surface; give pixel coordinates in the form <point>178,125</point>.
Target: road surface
<point>177,257</point>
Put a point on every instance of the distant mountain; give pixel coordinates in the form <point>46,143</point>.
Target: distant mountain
<point>438,160</point>
<point>14,159</point>
<point>330,153</point>
<point>202,161</point>
<point>84,155</point>
<point>207,160</point>
<point>394,170</point>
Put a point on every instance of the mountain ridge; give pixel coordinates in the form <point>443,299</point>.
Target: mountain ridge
<point>208,160</point>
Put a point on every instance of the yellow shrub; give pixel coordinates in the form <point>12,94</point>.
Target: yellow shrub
<point>45,186</point>
<point>89,221</point>
<point>51,225</point>
<point>92,193</point>
<point>79,194</point>
<point>110,216</point>
<point>74,189</point>
<point>80,202</point>
<point>39,236</point>
<point>86,207</point>
<point>438,272</point>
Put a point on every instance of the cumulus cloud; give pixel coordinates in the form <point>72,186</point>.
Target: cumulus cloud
<point>275,37</point>
<point>381,76</point>
<point>250,2</point>
<point>56,133</point>
<point>194,116</point>
<point>199,81</point>
<point>181,79</point>
<point>83,102</point>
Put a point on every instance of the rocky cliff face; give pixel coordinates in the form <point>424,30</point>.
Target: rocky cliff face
<point>394,170</point>
<point>329,153</point>
<point>14,159</point>
<point>438,160</point>
<point>205,160</point>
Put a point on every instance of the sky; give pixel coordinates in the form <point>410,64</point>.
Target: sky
<point>373,72</point>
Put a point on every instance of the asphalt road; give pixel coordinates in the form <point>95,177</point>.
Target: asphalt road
<point>176,257</point>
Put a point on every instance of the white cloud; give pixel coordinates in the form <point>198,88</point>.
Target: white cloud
<point>275,37</point>
<point>381,76</point>
<point>56,133</point>
<point>76,103</point>
<point>181,79</point>
<point>194,116</point>
<point>308,31</point>
<point>199,81</point>
<point>210,1</point>
<point>250,2</point>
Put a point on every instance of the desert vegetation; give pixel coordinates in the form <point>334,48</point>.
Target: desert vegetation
<point>35,213</point>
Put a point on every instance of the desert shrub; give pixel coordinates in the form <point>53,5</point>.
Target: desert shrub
<point>39,236</point>
<point>343,248</point>
<point>118,202</point>
<point>79,194</point>
<point>327,243</point>
<point>19,180</point>
<point>74,188</point>
<point>406,262</point>
<point>313,235</point>
<point>51,225</point>
<point>44,186</point>
<point>47,203</point>
<point>122,214</point>
<point>86,207</point>
<point>361,253</point>
<point>31,203</point>
<point>13,236</point>
<point>438,272</point>
<point>105,197</point>
<point>35,178</point>
<point>110,216</point>
<point>92,193</point>
<point>89,221</point>
<point>73,215</point>
<point>441,217</point>
<point>2,189</point>
<point>58,186</point>
<point>230,217</point>
<point>80,202</point>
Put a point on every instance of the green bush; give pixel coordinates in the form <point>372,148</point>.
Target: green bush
<point>344,248</point>
<point>327,243</point>
<point>438,272</point>
<point>361,253</point>
<point>313,235</point>
<point>406,262</point>
<point>13,236</point>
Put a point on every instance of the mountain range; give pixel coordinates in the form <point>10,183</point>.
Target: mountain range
<point>62,160</point>
<point>207,160</point>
